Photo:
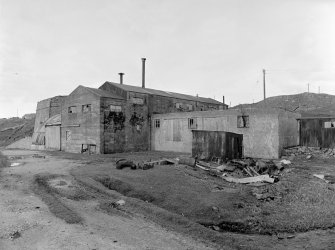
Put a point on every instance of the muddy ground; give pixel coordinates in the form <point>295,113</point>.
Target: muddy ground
<point>68,201</point>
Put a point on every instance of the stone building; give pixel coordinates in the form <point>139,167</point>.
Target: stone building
<point>114,117</point>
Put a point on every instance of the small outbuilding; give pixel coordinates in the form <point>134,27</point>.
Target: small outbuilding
<point>265,131</point>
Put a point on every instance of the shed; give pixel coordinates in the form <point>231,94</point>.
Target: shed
<point>317,132</point>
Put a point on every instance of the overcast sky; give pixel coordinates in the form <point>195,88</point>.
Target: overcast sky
<point>206,47</point>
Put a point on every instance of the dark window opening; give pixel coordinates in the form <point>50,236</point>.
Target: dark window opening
<point>86,108</point>
<point>191,123</point>
<point>72,109</point>
<point>157,123</point>
<point>243,121</point>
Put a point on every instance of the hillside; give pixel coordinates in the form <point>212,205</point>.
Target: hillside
<point>308,104</point>
<point>15,128</point>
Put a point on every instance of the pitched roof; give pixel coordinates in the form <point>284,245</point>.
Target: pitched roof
<point>103,93</point>
<point>163,93</point>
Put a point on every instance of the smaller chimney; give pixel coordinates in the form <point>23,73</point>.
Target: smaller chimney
<point>223,99</point>
<point>143,72</point>
<point>121,78</point>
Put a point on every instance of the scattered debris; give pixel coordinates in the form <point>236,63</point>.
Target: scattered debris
<point>187,161</point>
<point>116,204</point>
<point>15,235</point>
<point>122,163</point>
<point>327,178</point>
<point>310,152</point>
<point>15,158</point>
<point>285,162</point>
<point>14,164</point>
<point>38,156</point>
<point>120,202</point>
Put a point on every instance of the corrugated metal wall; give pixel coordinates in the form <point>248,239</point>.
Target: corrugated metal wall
<point>218,144</point>
<point>314,134</point>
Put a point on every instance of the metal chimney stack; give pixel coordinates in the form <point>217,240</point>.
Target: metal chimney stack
<point>143,72</point>
<point>121,78</point>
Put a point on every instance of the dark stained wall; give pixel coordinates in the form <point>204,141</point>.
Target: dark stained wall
<point>137,122</point>
<point>314,134</point>
<point>113,135</point>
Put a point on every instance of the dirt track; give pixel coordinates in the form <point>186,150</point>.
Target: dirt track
<point>23,212</point>
<point>27,223</point>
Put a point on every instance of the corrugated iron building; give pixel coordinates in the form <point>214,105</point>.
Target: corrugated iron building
<point>317,132</point>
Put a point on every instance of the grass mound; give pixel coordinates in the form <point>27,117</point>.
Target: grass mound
<point>125,189</point>
<point>48,196</point>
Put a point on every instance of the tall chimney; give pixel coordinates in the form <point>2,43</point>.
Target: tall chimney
<point>223,99</point>
<point>143,72</point>
<point>121,78</point>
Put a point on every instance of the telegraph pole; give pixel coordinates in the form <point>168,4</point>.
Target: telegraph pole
<point>264,83</point>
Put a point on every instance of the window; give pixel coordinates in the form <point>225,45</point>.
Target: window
<point>330,124</point>
<point>243,121</point>
<point>189,107</point>
<point>179,105</point>
<point>72,109</point>
<point>68,135</point>
<point>137,100</point>
<point>157,123</point>
<point>115,108</point>
<point>86,108</point>
<point>192,123</point>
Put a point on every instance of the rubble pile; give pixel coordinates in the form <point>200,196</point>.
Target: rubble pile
<point>246,170</point>
<point>310,152</point>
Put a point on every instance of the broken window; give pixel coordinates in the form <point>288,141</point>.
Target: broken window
<point>192,123</point>
<point>157,123</point>
<point>330,124</point>
<point>86,108</point>
<point>68,135</point>
<point>243,121</point>
<point>115,108</point>
<point>72,109</point>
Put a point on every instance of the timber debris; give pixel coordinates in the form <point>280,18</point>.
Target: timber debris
<point>241,171</point>
<point>123,163</point>
<point>310,152</point>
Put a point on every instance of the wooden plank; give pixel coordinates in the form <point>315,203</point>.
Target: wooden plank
<point>260,178</point>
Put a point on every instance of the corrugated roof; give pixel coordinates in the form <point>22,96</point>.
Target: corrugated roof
<point>163,93</point>
<point>103,93</point>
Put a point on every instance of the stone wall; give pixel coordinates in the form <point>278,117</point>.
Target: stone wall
<point>81,128</point>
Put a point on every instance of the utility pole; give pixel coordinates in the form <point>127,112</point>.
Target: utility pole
<point>264,83</point>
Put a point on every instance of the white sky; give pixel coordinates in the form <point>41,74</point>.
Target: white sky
<point>206,47</point>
